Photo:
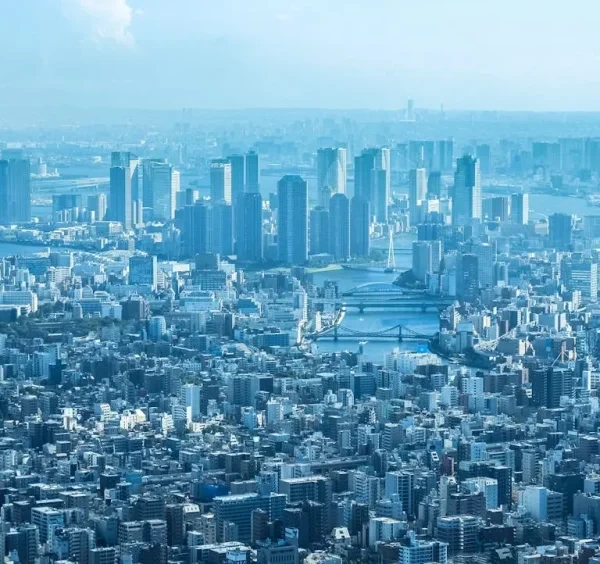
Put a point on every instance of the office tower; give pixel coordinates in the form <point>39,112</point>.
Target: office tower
<point>486,257</point>
<point>548,385</point>
<point>417,191</point>
<point>460,533</point>
<point>467,277</point>
<point>484,156</point>
<point>252,183</point>
<point>161,185</point>
<point>238,508</point>
<point>579,273</point>
<point>331,170</point>
<point>360,222</point>
<point>519,208</point>
<point>97,204</point>
<point>220,181</point>
<point>103,555</point>
<point>319,230</point>
<point>221,228</point>
<point>434,185</point>
<point>380,192</point>
<point>445,155</point>
<point>249,240</point>
<point>194,223</point>
<point>560,230</point>
<point>125,199</point>
<point>402,483</point>
<point>418,551</point>
<point>147,188</point>
<point>292,229</point>
<point>237,163</point>
<point>466,197</point>
<point>15,189</point>
<point>339,227</point>
<point>496,208</point>
<point>143,270</point>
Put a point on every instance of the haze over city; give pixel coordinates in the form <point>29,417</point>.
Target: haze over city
<point>151,54</point>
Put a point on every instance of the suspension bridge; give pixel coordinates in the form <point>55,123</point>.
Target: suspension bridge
<point>398,332</point>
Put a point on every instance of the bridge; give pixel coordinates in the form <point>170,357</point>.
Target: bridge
<point>398,332</point>
<point>379,295</point>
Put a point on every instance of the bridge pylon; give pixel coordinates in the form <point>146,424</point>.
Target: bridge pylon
<point>399,333</point>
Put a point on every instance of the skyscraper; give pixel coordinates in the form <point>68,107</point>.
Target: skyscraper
<point>445,154</point>
<point>15,190</point>
<point>339,227</point>
<point>434,185</point>
<point>331,170</point>
<point>486,257</point>
<point>560,230</point>
<point>519,208</point>
<point>221,228</point>
<point>250,241</point>
<point>126,199</point>
<point>467,277</point>
<point>360,221</point>
<point>237,176</point>
<point>484,156</point>
<point>194,221</point>
<point>143,270</point>
<point>319,230</point>
<point>97,204</point>
<point>292,230</point>
<point>161,184</point>
<point>366,178</point>
<point>417,191</point>
<point>220,181</point>
<point>252,184</point>
<point>466,197</point>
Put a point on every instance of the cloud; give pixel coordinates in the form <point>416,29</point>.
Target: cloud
<point>106,20</point>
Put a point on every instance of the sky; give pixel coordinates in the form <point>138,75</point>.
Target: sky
<point>167,54</point>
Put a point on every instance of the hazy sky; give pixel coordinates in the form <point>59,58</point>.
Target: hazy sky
<point>468,54</point>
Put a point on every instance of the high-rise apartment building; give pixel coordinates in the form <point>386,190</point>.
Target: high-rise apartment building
<point>15,190</point>
<point>331,169</point>
<point>466,196</point>
<point>417,191</point>
<point>252,183</point>
<point>339,227</point>
<point>360,221</point>
<point>319,230</point>
<point>126,198</point>
<point>237,163</point>
<point>292,229</point>
<point>372,179</point>
<point>249,239</point>
<point>220,181</point>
